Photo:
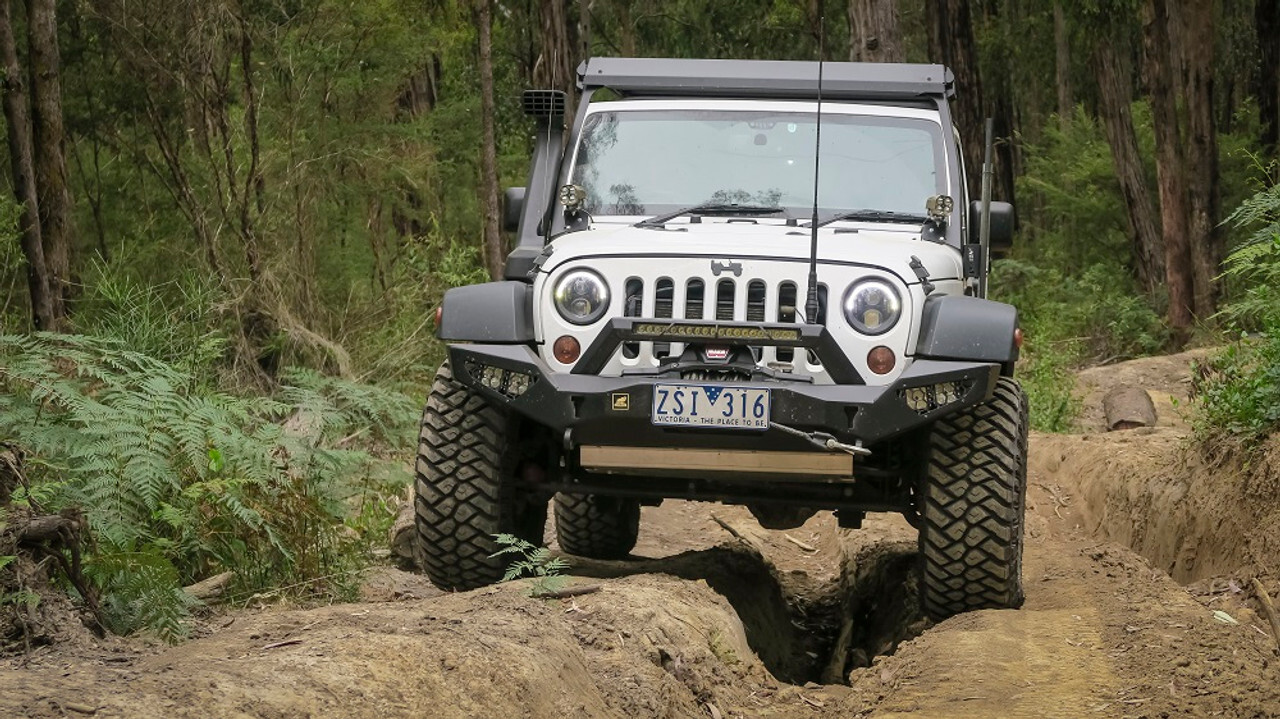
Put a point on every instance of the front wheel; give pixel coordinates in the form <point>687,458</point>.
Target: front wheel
<point>466,493</point>
<point>973,498</point>
<point>597,526</point>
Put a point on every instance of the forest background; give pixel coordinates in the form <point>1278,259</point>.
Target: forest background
<point>231,221</point>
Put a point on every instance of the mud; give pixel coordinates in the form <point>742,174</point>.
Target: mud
<point>812,622</point>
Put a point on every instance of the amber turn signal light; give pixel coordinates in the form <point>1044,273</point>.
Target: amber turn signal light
<point>881,360</point>
<point>439,315</point>
<point>566,349</point>
<point>1017,338</point>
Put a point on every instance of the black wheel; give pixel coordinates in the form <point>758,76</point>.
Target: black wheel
<point>467,459</point>
<point>973,497</point>
<point>597,527</point>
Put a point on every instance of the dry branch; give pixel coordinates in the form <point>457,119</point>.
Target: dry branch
<point>751,542</point>
<point>803,545</point>
<point>1268,608</point>
<point>568,592</point>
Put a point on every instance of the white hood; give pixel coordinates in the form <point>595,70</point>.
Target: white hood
<point>889,247</point>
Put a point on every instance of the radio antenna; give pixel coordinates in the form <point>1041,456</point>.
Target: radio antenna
<point>811,302</point>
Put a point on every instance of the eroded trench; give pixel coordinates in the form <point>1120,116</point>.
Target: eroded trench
<point>804,630</point>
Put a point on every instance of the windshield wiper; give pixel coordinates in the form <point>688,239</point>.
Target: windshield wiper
<point>877,216</point>
<point>711,208</point>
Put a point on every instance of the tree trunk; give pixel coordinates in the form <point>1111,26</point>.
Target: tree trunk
<point>951,43</point>
<point>626,28</point>
<point>1267,21</point>
<point>1115,92</point>
<point>251,195</point>
<point>1062,63</point>
<point>48,152</point>
<point>18,126</point>
<point>493,254</point>
<point>1205,199</point>
<point>873,31</point>
<point>1170,175</point>
<point>555,68</point>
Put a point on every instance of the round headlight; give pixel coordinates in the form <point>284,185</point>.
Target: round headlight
<point>872,307</point>
<point>582,297</point>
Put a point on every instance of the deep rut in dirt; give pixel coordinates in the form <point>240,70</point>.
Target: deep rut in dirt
<point>803,630</point>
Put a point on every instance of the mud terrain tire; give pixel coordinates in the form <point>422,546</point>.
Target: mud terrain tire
<point>465,491</point>
<point>595,526</point>
<point>973,501</point>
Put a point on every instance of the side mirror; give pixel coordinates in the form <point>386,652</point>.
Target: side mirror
<point>1002,220</point>
<point>512,208</point>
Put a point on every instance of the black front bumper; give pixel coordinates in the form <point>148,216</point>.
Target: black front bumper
<point>589,409</point>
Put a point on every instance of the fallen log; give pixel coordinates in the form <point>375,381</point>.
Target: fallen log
<point>1128,407</point>
<point>44,529</point>
<point>207,590</point>
<point>404,533</point>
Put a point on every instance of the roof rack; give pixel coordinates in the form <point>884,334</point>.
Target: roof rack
<point>766,78</point>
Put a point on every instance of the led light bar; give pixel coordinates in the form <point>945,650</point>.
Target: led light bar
<point>694,332</point>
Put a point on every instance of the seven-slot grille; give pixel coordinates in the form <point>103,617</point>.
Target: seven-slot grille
<point>724,299</point>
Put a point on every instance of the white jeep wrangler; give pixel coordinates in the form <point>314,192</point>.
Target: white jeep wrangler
<point>694,311</point>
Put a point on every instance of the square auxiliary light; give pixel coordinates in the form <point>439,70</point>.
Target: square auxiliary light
<point>930,397</point>
<point>509,383</point>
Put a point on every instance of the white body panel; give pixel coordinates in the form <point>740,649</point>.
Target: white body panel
<point>768,249</point>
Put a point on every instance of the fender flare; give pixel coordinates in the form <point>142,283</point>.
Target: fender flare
<point>957,327</point>
<point>492,312</point>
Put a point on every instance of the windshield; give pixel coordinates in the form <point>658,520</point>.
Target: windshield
<point>648,162</point>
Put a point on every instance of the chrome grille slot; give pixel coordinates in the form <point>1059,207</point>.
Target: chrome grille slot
<point>822,320</point>
<point>724,300</point>
<point>633,307</point>
<point>663,302</point>
<point>786,313</point>
<point>662,299</point>
<point>755,301</point>
<point>694,292</point>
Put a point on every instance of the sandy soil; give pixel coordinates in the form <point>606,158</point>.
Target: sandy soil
<point>703,624</point>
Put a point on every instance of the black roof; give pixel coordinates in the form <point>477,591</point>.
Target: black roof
<point>766,78</point>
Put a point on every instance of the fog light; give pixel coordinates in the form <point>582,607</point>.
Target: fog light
<point>917,398</point>
<point>566,349</point>
<point>930,397</point>
<point>881,360</point>
<point>508,382</point>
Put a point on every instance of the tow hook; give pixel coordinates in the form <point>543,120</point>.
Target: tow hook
<point>825,441</point>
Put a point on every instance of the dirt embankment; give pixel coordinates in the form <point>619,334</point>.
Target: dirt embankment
<point>813,622</point>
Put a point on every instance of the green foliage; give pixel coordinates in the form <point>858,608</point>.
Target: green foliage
<point>537,563</point>
<point>1050,386</point>
<point>1238,389</point>
<point>1071,206</point>
<point>176,321</point>
<point>180,482</point>
<point>1077,300</point>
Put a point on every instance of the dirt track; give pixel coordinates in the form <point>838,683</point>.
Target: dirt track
<point>709,625</point>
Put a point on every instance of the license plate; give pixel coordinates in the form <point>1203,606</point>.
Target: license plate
<point>709,405</point>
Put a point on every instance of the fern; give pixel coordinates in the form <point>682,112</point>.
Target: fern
<point>1239,388</point>
<point>538,563</point>
<point>179,481</point>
